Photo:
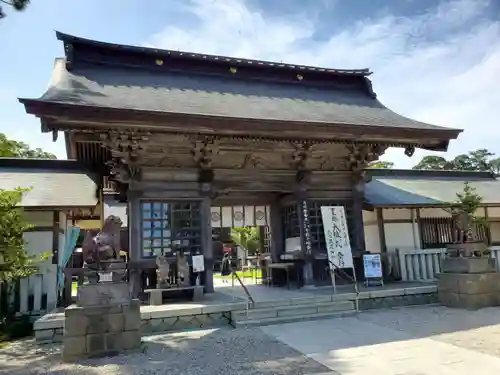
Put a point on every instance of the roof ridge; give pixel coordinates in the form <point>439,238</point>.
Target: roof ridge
<point>68,39</point>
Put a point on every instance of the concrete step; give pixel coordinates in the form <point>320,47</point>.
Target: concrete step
<point>293,301</point>
<point>291,310</point>
<point>291,319</point>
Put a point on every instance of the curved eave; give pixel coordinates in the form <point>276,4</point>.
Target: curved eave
<point>61,115</point>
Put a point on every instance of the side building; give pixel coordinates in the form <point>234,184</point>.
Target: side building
<point>61,193</point>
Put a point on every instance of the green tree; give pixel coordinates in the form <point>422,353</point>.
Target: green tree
<point>380,164</point>
<point>15,149</point>
<point>18,5</point>
<point>478,160</point>
<point>15,262</point>
<point>433,162</point>
<point>495,165</point>
<point>246,237</point>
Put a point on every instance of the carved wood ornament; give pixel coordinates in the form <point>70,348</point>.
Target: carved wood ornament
<point>127,150</point>
<point>362,154</point>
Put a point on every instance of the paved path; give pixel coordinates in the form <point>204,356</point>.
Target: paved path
<point>416,341</point>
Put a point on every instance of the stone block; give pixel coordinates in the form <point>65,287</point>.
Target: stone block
<point>116,323</point>
<point>114,342</point>
<point>468,301</point>
<point>109,293</point>
<point>49,321</point>
<point>467,265</point>
<point>98,310</point>
<point>75,325</point>
<point>131,340</point>
<point>74,347</point>
<point>198,292</point>
<point>44,335</point>
<point>73,311</point>
<point>132,321</point>
<point>97,324</point>
<point>96,344</point>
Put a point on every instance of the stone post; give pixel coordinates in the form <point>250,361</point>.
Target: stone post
<point>105,321</point>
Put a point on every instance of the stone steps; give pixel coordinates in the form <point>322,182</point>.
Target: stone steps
<point>259,316</point>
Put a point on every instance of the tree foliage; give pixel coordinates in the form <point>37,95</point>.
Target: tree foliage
<point>380,164</point>
<point>467,201</point>
<point>246,237</point>
<point>14,149</point>
<point>478,160</point>
<point>18,5</point>
<point>14,260</point>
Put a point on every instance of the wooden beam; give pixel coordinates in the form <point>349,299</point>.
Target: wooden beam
<point>381,230</point>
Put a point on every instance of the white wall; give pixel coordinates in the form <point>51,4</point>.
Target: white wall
<point>112,207</point>
<point>404,235</point>
<point>45,280</point>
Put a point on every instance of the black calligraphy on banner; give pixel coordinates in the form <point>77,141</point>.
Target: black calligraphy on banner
<point>345,233</point>
<point>336,230</point>
<point>307,228</point>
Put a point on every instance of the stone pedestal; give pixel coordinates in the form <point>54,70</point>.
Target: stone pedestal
<point>105,321</point>
<point>469,283</point>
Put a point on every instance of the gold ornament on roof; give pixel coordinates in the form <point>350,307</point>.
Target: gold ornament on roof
<point>300,77</point>
<point>159,62</point>
<point>233,69</point>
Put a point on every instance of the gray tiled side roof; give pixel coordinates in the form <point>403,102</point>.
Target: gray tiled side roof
<point>383,191</point>
<point>120,87</point>
<point>51,188</point>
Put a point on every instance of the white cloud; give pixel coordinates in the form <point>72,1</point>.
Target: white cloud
<point>426,67</point>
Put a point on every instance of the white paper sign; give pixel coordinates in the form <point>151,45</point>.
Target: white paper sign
<point>105,276</point>
<point>372,265</point>
<point>337,236</point>
<point>198,263</point>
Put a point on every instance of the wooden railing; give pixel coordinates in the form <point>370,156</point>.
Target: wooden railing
<point>33,295</point>
<point>423,264</point>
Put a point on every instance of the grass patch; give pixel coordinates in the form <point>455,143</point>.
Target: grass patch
<point>243,275</point>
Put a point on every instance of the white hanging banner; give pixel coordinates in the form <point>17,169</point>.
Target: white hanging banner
<point>337,236</point>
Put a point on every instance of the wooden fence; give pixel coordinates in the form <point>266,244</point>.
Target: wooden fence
<point>423,264</point>
<point>34,295</point>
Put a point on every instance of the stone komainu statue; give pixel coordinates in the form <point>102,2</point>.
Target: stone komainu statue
<point>162,272</point>
<point>105,246</point>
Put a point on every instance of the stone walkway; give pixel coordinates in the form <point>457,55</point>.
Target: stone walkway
<point>414,340</point>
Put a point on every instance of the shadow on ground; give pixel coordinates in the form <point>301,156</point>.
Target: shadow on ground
<point>208,352</point>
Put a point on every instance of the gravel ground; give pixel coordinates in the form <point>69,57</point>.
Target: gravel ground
<point>473,330</point>
<point>208,352</point>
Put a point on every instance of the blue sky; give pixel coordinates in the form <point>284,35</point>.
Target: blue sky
<point>435,61</point>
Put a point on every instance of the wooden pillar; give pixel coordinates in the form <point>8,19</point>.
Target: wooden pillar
<point>277,233</point>
<point>206,243</point>
<point>135,248</point>
<point>488,229</point>
<point>56,225</point>
<point>381,230</point>
<point>417,210</point>
<point>358,196</point>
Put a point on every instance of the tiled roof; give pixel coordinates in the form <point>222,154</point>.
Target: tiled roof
<point>424,189</point>
<point>177,92</point>
<point>50,187</point>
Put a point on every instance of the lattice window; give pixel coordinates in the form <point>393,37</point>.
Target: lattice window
<point>318,243</point>
<point>170,226</point>
<point>291,224</point>
<point>437,232</point>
